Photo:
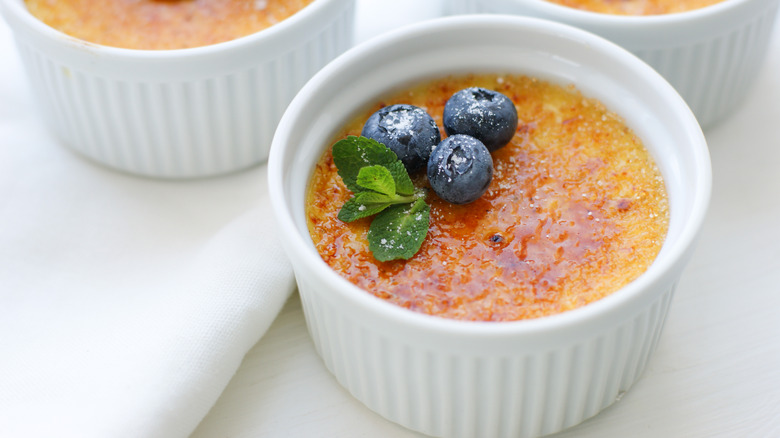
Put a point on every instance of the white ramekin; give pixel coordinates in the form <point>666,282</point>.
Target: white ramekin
<point>478,379</point>
<point>176,113</point>
<point>710,55</point>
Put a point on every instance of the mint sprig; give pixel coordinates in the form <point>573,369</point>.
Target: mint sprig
<point>399,231</point>
<point>381,186</point>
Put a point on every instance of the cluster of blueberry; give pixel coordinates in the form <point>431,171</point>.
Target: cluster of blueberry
<point>477,121</point>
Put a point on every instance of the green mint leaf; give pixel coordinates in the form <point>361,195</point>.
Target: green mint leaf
<point>376,178</point>
<point>399,231</point>
<point>382,187</point>
<point>354,153</point>
<point>403,184</point>
<point>364,204</point>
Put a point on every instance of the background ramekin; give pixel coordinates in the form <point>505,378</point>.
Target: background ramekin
<point>176,113</point>
<point>477,379</point>
<point>710,55</point>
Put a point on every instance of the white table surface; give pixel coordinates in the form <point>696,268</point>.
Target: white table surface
<point>716,372</point>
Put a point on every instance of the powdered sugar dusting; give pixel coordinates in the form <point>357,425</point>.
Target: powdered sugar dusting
<point>398,121</point>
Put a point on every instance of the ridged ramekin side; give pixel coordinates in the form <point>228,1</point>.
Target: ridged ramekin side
<point>714,75</point>
<point>187,127</point>
<point>441,390</point>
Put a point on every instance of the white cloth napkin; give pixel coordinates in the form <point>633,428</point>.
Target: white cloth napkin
<point>126,304</point>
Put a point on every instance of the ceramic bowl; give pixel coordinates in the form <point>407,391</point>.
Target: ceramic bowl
<point>710,55</point>
<point>479,379</point>
<point>176,113</point>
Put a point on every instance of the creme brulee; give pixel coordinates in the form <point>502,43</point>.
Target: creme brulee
<point>636,7</point>
<point>576,210</point>
<point>162,24</point>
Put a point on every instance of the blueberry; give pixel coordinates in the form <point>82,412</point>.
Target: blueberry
<point>460,169</point>
<point>486,115</point>
<point>407,130</point>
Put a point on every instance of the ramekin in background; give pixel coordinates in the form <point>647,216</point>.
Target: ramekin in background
<point>710,55</point>
<point>176,113</point>
<point>478,379</point>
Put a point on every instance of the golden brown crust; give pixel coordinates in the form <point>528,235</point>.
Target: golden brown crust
<point>162,24</point>
<point>576,210</point>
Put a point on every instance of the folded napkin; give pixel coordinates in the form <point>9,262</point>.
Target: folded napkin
<point>126,304</point>
<point>110,332</point>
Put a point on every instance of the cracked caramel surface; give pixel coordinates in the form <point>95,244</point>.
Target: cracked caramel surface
<point>162,24</point>
<point>576,210</point>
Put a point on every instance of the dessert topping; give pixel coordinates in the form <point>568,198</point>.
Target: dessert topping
<point>381,186</point>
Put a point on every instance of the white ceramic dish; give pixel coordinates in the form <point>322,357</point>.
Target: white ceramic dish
<point>469,379</point>
<point>176,113</point>
<point>710,55</point>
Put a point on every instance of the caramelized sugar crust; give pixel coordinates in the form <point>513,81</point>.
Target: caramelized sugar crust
<point>576,210</point>
<point>637,7</point>
<point>162,24</point>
